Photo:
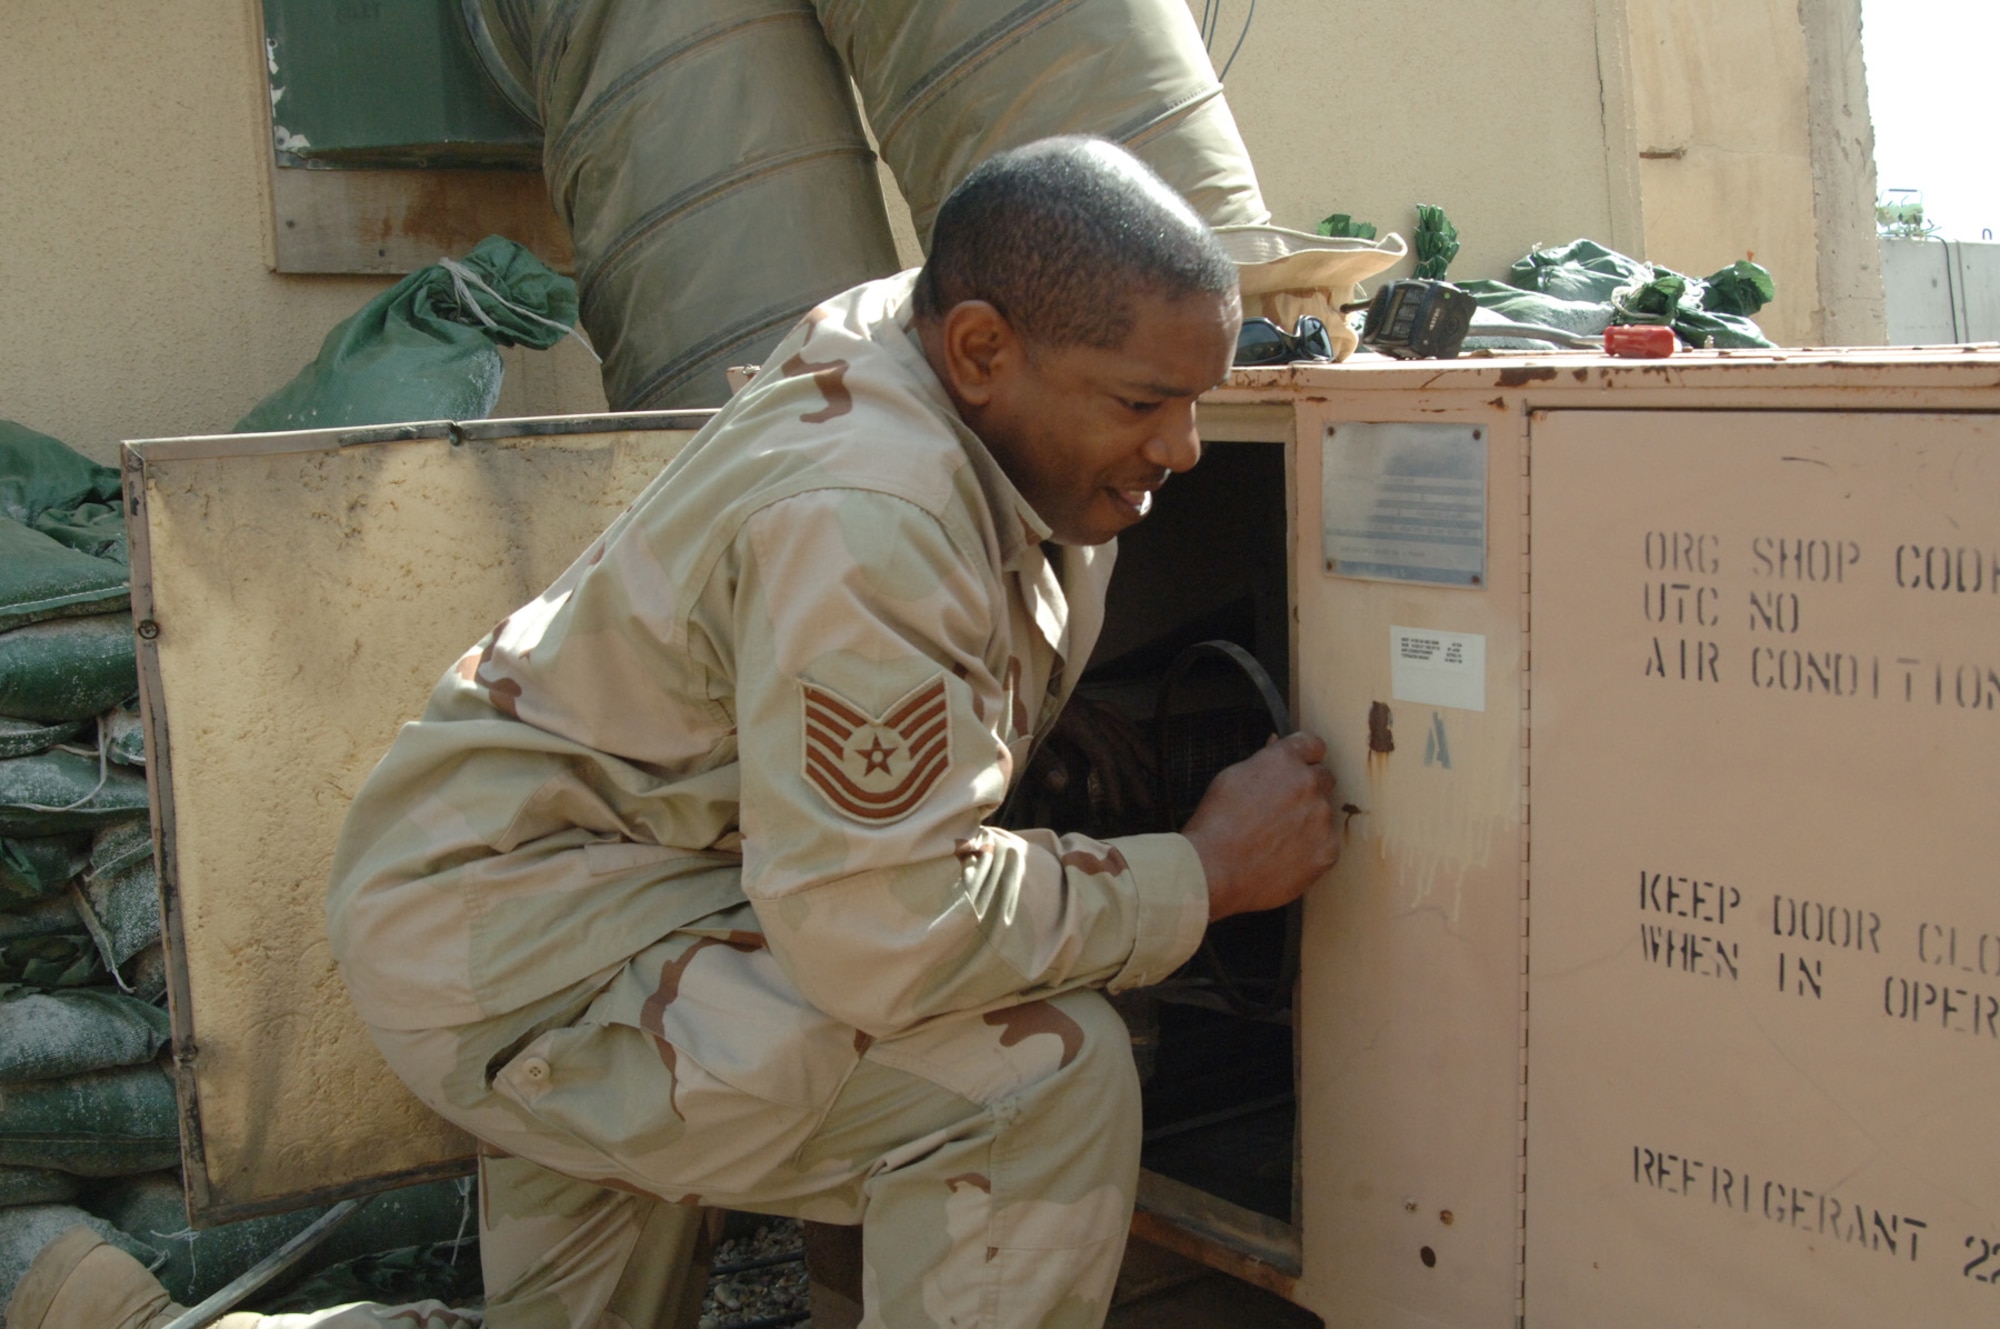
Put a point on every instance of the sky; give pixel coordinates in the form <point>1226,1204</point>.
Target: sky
<point>1932,67</point>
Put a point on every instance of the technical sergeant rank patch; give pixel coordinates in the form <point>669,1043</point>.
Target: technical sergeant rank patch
<point>876,769</point>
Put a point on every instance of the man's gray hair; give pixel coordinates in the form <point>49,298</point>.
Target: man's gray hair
<point>1060,235</point>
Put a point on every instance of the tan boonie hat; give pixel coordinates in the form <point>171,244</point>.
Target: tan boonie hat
<point>1285,274</point>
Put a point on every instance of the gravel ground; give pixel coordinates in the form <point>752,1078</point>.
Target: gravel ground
<point>758,1281</point>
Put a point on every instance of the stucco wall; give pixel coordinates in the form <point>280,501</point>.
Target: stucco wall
<point>1514,118</point>
<point>1754,143</point>
<point>133,218</point>
<point>132,231</point>
<point>1719,88</point>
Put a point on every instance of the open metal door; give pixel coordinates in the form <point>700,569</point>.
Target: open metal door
<point>297,595</point>
<point>1408,576</point>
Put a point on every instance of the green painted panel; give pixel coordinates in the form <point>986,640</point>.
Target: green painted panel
<point>362,83</point>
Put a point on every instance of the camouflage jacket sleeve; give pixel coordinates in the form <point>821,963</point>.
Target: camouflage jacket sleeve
<point>876,729</point>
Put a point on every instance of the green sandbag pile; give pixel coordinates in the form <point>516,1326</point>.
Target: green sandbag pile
<point>89,1126</point>
<point>84,1095</point>
<point>78,910</point>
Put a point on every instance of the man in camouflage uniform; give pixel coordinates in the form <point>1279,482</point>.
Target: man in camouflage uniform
<point>681,889</point>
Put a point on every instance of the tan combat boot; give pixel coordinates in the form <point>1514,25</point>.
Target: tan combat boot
<point>81,1281</point>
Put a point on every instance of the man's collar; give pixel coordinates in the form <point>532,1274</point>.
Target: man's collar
<point>1020,529</point>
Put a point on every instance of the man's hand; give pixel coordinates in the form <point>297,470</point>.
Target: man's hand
<point>1267,827</point>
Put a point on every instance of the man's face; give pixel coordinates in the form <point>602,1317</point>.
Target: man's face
<point>1088,434</point>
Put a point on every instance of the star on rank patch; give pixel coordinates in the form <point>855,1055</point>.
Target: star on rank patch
<point>876,768</point>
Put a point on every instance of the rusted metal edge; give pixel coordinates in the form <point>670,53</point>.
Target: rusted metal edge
<point>1970,371</point>
<point>1246,421</point>
<point>202,447</point>
<point>546,426</point>
<point>1241,1242</point>
<point>1524,421</point>
<point>210,446</point>
<point>235,1211</point>
<point>166,863</point>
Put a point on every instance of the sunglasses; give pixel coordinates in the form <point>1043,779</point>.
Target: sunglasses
<point>1263,342</point>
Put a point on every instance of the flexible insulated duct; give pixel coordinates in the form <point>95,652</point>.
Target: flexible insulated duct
<point>947,83</point>
<point>710,161</point>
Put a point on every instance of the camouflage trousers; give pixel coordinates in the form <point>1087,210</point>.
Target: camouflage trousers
<point>991,1158</point>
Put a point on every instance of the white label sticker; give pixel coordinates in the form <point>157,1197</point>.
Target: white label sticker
<point>1438,668</point>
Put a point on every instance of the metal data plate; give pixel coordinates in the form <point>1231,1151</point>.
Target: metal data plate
<point>1765,967</point>
<point>1404,502</point>
<point>297,596</point>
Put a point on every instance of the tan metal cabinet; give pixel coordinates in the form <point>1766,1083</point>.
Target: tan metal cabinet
<point>1660,982</point>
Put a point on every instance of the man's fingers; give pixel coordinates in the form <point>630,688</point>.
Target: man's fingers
<point>1306,747</point>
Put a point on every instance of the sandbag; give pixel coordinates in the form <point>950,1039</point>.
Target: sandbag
<point>427,348</point>
<point>45,1035</point>
<point>52,916</point>
<point>120,845</point>
<point>123,888</point>
<point>35,1185</point>
<point>146,974</point>
<point>430,1211</point>
<point>40,579</point>
<point>445,1271</point>
<point>103,1124</point>
<point>34,869</point>
<point>125,735</point>
<point>70,960</point>
<point>68,668</point>
<point>153,1209</point>
<point>45,945</point>
<point>24,1231</point>
<point>24,738</point>
<point>60,492</point>
<point>58,791</point>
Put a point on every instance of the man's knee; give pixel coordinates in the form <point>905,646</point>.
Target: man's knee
<point>1092,1093</point>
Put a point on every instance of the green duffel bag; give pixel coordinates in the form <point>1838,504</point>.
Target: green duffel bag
<point>34,869</point>
<point>24,738</point>
<point>46,1035</point>
<point>68,668</point>
<point>41,578</point>
<point>102,1124</point>
<point>36,1185</point>
<point>24,1231</point>
<point>59,791</point>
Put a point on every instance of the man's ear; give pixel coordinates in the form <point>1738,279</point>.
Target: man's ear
<point>977,346</point>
